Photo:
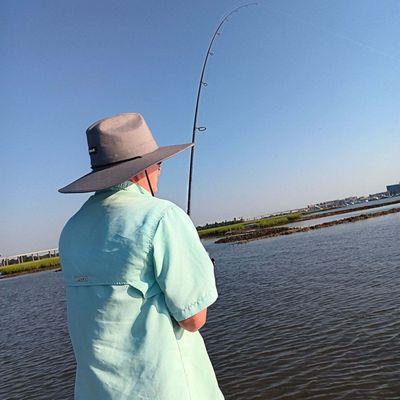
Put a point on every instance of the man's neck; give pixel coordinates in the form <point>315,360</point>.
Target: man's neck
<point>142,183</point>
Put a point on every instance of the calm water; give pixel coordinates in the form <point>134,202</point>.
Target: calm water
<point>309,316</point>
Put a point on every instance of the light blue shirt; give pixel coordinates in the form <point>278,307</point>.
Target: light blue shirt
<point>133,266</point>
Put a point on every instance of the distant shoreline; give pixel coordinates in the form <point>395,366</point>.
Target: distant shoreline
<point>28,267</point>
<point>241,235</point>
<point>228,228</point>
<point>257,234</point>
<point>55,269</point>
<point>327,213</point>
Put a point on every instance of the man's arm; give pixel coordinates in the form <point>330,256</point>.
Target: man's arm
<point>195,322</point>
<point>183,269</point>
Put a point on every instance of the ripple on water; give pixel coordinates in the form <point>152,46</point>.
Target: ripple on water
<point>308,316</point>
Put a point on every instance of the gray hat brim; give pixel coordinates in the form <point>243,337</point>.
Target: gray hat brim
<point>122,171</point>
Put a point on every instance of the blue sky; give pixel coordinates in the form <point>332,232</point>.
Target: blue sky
<point>302,102</point>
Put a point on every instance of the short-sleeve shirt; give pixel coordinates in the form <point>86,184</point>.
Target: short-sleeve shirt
<point>133,266</point>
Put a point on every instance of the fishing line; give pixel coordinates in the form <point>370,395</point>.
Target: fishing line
<point>338,35</point>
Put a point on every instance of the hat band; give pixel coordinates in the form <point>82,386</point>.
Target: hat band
<point>102,166</point>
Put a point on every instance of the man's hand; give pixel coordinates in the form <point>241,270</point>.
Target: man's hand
<point>195,322</point>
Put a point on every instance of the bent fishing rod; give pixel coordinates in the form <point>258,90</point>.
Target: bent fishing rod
<point>202,84</point>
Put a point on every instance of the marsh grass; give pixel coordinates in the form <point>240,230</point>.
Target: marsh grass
<point>220,230</point>
<point>253,224</point>
<point>279,220</point>
<point>30,266</point>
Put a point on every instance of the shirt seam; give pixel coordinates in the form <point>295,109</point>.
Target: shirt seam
<point>200,299</point>
<point>162,215</point>
<point>184,369</point>
<point>101,283</point>
<point>204,298</point>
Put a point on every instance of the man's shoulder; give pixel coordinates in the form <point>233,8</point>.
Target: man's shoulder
<point>152,207</point>
<point>163,206</point>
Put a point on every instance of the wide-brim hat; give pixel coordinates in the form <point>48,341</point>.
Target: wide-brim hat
<point>120,147</point>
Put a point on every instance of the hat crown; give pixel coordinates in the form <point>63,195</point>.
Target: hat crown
<point>119,138</point>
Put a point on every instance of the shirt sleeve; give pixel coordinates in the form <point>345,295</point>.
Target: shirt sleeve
<point>183,268</point>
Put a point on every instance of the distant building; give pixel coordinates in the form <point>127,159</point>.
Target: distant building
<point>378,196</point>
<point>393,189</point>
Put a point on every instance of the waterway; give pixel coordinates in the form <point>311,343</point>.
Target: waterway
<point>309,316</point>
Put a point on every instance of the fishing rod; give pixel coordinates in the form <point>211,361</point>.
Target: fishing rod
<point>202,84</point>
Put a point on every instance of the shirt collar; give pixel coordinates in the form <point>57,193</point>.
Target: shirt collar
<point>128,186</point>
